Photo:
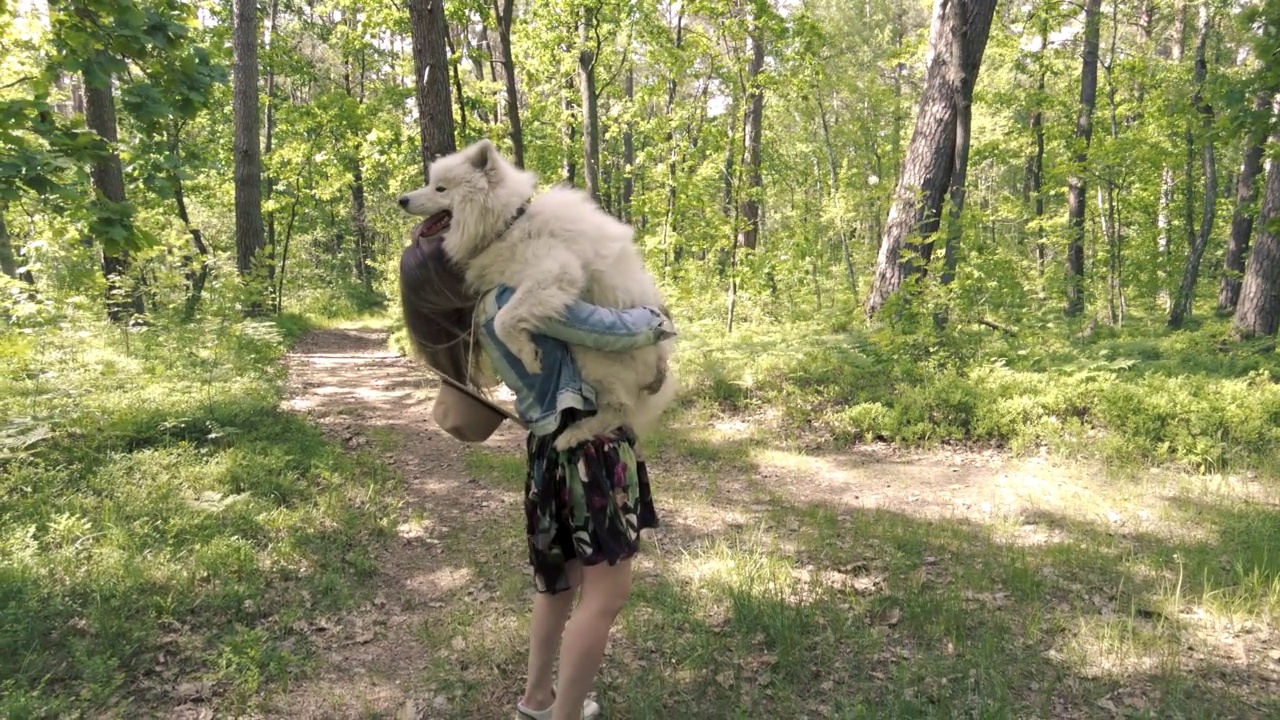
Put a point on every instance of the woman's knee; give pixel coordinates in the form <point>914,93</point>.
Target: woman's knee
<point>606,589</point>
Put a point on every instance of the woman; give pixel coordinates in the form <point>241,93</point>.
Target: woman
<point>585,507</point>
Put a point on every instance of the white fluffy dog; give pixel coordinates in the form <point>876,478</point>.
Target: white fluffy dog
<point>553,248</point>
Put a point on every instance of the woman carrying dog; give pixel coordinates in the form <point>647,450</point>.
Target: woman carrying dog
<point>584,507</point>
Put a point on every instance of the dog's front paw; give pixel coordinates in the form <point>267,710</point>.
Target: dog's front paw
<point>528,354</point>
<point>519,343</point>
<point>571,438</point>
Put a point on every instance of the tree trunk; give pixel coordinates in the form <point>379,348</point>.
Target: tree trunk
<point>455,74</point>
<point>505,15</point>
<point>431,63</point>
<point>196,279</point>
<point>962,82</point>
<point>248,153</point>
<point>8,261</point>
<point>590,115</point>
<point>927,168</point>
<point>1191,273</point>
<point>1177,48</point>
<point>628,149</point>
<point>270,117</point>
<point>833,170</point>
<point>1258,312</point>
<point>1076,203</point>
<point>108,181</point>
<point>673,161</point>
<point>570,166</point>
<point>749,231</point>
<point>475,53</point>
<point>1242,217</point>
<point>1035,164</point>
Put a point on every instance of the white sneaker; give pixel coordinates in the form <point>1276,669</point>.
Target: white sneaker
<point>590,709</point>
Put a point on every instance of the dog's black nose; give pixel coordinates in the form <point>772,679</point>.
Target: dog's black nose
<point>404,201</point>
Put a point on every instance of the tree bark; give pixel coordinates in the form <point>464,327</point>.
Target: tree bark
<point>749,230</point>
<point>569,166</point>
<point>1076,203</point>
<point>8,261</point>
<point>1035,163</point>
<point>1242,217</point>
<point>1258,312</point>
<point>628,149</point>
<point>1191,273</point>
<point>907,243</point>
<point>962,82</point>
<point>590,115</point>
<point>431,63</point>
<point>455,74</point>
<point>108,181</point>
<point>250,238</point>
<point>505,15</point>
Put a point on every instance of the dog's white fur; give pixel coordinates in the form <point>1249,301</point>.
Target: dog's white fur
<point>564,247</point>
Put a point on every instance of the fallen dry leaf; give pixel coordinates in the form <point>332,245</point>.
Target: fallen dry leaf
<point>191,691</point>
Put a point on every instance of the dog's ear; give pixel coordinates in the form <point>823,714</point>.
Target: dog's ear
<point>484,155</point>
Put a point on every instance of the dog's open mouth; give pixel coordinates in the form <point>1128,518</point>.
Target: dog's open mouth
<point>434,225</point>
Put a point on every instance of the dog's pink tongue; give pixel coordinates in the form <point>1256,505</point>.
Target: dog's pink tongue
<point>434,225</point>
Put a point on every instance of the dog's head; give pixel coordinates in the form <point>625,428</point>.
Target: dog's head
<point>469,195</point>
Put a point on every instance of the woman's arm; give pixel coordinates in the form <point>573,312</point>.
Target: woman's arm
<point>601,328</point>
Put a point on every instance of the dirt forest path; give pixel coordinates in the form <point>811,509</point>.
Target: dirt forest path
<point>442,639</point>
<point>362,394</point>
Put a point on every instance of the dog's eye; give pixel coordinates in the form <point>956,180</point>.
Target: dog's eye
<point>439,188</point>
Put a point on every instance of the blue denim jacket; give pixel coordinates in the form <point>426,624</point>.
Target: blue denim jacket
<point>541,398</point>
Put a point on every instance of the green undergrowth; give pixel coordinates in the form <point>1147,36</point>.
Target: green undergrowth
<point>164,521</point>
<point>1194,399</point>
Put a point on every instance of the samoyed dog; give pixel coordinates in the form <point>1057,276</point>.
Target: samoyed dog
<point>553,248</point>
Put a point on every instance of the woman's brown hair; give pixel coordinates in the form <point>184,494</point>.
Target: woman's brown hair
<point>438,311</point>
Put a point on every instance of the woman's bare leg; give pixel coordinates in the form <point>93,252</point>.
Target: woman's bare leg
<point>605,591</point>
<point>546,628</point>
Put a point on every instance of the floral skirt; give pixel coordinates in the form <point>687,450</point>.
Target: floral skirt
<point>587,503</point>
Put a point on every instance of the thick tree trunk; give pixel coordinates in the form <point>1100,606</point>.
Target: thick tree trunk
<point>749,230</point>
<point>1191,273</point>
<point>590,115</point>
<point>505,15</point>
<point>907,244</point>
<point>1258,312</point>
<point>1242,217</point>
<point>108,181</point>
<point>247,146</point>
<point>1076,203</point>
<point>962,81</point>
<point>431,63</point>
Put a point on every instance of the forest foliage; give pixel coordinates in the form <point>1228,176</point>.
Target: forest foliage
<point>1101,195</point>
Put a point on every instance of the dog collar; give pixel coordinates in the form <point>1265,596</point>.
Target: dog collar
<point>519,213</point>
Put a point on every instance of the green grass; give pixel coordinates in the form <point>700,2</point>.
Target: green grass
<point>1193,399</point>
<point>163,520</point>
<point>760,602</point>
